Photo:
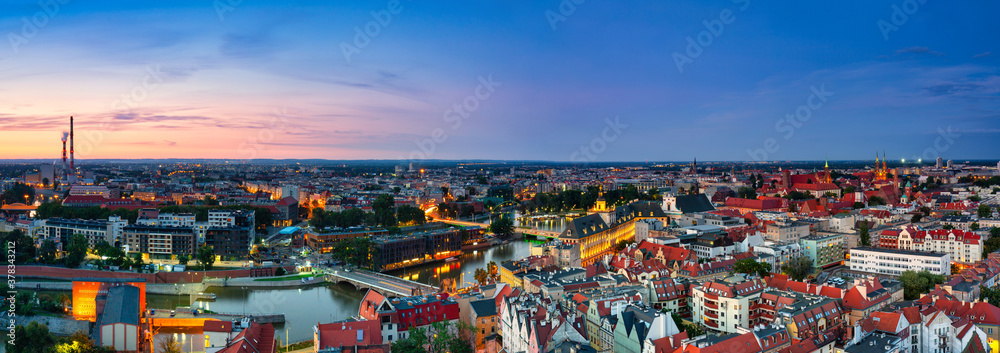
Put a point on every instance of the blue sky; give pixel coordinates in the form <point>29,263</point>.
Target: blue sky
<point>262,79</point>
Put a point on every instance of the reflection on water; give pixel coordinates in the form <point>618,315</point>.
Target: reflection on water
<point>554,224</point>
<point>461,271</point>
<point>305,307</point>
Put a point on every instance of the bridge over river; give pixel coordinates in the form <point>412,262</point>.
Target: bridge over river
<point>526,231</point>
<point>384,284</point>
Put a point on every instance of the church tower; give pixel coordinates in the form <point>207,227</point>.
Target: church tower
<point>826,169</point>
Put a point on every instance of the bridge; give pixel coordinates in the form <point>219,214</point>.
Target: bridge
<point>526,231</point>
<point>384,284</point>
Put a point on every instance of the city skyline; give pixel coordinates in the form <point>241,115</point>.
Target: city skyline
<point>541,81</point>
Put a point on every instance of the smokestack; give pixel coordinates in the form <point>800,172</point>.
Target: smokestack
<point>72,166</point>
<point>64,135</point>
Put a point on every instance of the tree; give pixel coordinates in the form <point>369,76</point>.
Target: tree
<point>24,247</point>
<point>169,345</point>
<point>974,226</point>
<point>858,205</point>
<point>183,259</point>
<point>955,269</point>
<point>502,226</point>
<point>481,276</point>
<point>280,271</point>
<point>850,189</point>
<point>916,283</point>
<point>746,193</point>
<point>18,193</point>
<point>948,227</point>
<point>990,295</point>
<point>34,338</point>
<point>493,270</point>
<point>798,268</point>
<point>866,240</point>
<point>984,211</point>
<point>45,182</point>
<point>76,250</point>
<point>623,244</point>
<point>993,243</point>
<point>876,201</point>
<point>752,267</point>
<point>916,218</point>
<point>206,257</point>
<point>209,201</point>
<point>47,252</point>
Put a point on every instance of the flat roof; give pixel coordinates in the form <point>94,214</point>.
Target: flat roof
<point>902,252</point>
<point>109,280</point>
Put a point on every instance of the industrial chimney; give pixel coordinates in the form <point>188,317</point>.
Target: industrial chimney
<point>72,167</point>
<point>64,135</point>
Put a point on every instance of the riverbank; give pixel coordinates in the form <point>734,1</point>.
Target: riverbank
<point>161,288</point>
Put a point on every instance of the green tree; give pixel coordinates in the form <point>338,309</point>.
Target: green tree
<point>502,226</point>
<point>623,244</point>
<point>209,201</point>
<point>917,283</point>
<point>916,218</point>
<point>280,271</point>
<point>850,189</point>
<point>948,227</point>
<point>206,257</point>
<point>183,259</point>
<point>984,211</point>
<point>34,338</point>
<point>866,240</point>
<point>47,252</point>
<point>993,243</point>
<point>990,295</point>
<point>752,267</point>
<point>24,247</point>
<point>18,193</point>
<point>974,226</point>
<point>746,193</point>
<point>798,268</point>
<point>876,201</point>
<point>76,250</point>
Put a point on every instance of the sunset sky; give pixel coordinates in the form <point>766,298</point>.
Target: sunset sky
<point>264,79</point>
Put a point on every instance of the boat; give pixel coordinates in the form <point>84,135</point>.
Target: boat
<point>203,296</point>
<point>450,259</point>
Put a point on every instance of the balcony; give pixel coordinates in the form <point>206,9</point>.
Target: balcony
<point>712,324</point>
<point>711,305</point>
<point>711,315</point>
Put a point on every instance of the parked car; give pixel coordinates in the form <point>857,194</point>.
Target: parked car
<point>172,313</point>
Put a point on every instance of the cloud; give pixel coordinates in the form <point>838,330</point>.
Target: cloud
<point>980,55</point>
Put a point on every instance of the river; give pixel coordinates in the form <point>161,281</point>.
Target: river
<point>305,307</point>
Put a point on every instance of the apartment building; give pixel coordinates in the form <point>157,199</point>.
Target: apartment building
<point>824,250</point>
<point>723,305</point>
<point>787,231</point>
<point>963,246</point>
<point>61,229</point>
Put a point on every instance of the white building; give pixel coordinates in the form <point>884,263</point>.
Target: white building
<point>643,226</point>
<point>780,253</point>
<point>893,262</point>
<point>963,246</point>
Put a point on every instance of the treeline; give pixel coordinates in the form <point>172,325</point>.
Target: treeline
<point>384,214</point>
<point>262,216</point>
<point>579,200</point>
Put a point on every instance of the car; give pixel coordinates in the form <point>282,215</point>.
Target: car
<point>172,313</point>
<point>152,312</point>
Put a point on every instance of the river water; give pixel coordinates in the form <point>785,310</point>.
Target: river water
<point>305,307</point>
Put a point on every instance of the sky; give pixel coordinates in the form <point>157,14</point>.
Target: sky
<point>569,80</point>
